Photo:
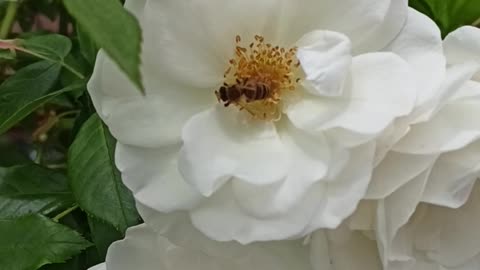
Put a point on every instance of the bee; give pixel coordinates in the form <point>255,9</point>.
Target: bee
<point>248,89</point>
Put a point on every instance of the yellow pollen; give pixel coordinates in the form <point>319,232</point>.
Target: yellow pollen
<point>258,76</point>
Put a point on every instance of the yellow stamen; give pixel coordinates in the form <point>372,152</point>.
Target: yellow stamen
<point>257,77</point>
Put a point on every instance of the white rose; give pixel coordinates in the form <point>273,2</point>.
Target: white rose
<point>287,156</point>
<point>343,249</point>
<point>177,245</point>
<point>174,243</point>
<point>417,187</point>
<point>434,238</point>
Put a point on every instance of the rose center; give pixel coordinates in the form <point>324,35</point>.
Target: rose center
<point>257,77</point>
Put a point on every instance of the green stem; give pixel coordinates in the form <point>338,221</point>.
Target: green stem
<point>64,213</point>
<point>72,70</point>
<point>57,166</point>
<point>39,156</point>
<point>68,113</point>
<point>65,65</point>
<point>10,45</point>
<point>9,18</point>
<point>476,23</point>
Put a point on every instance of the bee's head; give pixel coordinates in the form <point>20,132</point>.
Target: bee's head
<point>223,93</point>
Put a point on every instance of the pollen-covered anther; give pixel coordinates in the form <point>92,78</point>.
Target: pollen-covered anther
<point>258,76</point>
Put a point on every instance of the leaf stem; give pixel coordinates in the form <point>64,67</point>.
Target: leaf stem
<point>65,65</point>
<point>72,70</point>
<point>10,45</point>
<point>476,23</point>
<point>68,113</point>
<point>9,18</point>
<point>57,166</point>
<point>39,154</point>
<point>64,213</point>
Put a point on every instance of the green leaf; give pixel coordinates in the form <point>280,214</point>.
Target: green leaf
<point>28,84</point>
<point>78,221</point>
<point>82,261</point>
<point>94,179</point>
<point>29,242</point>
<point>112,28</point>
<point>7,55</point>
<point>449,14</point>
<point>87,46</point>
<point>27,90</point>
<point>31,189</point>
<point>53,46</point>
<point>75,61</point>
<point>77,263</point>
<point>103,235</point>
<point>11,154</point>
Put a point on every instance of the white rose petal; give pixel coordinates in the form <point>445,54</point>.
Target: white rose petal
<point>440,238</point>
<point>101,266</point>
<point>391,174</point>
<point>326,59</point>
<point>463,45</point>
<point>343,250</point>
<point>176,244</point>
<point>420,45</point>
<point>451,128</point>
<point>143,166</point>
<point>220,144</point>
<point>423,199</point>
<point>453,176</point>
<point>377,94</point>
<point>150,121</point>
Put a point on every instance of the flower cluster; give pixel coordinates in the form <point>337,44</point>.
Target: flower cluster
<point>312,134</point>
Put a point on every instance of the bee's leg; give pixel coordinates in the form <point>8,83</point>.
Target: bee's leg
<point>275,115</point>
<point>278,115</point>
<point>226,104</point>
<point>249,111</point>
